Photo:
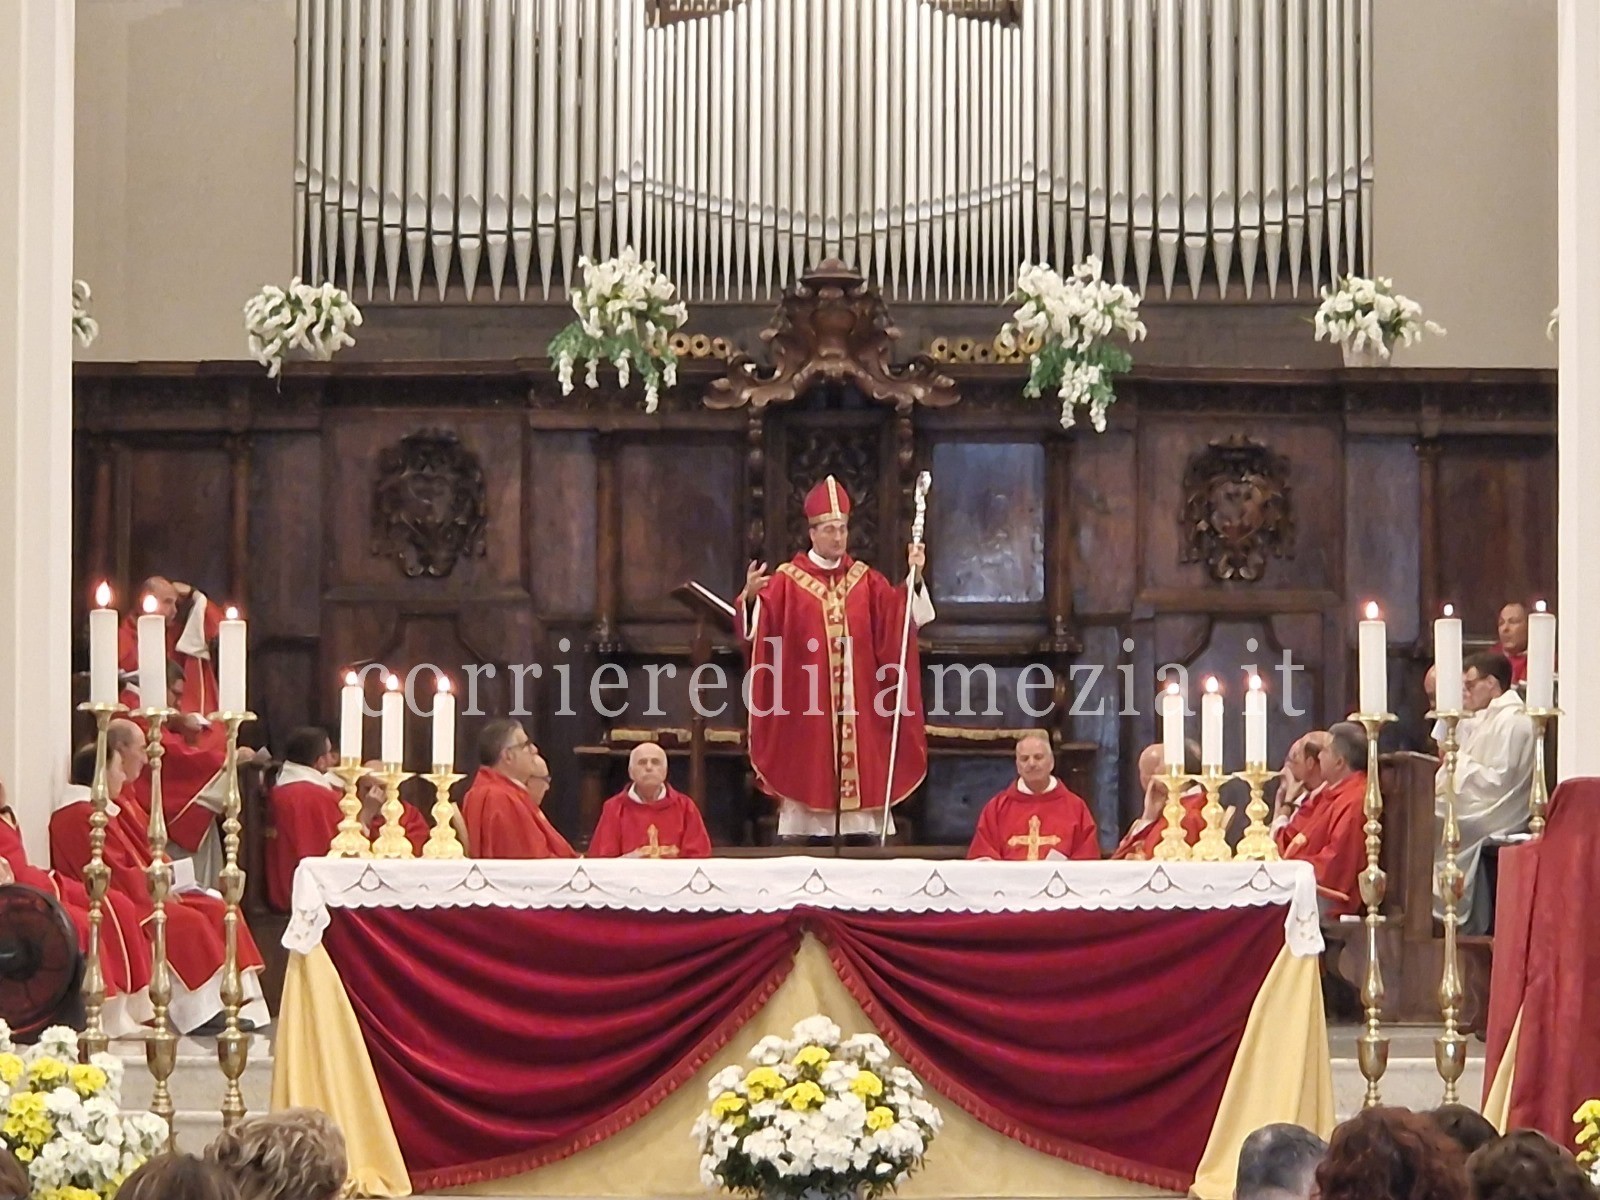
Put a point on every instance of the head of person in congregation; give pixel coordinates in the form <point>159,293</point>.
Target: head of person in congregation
<point>1278,1162</point>
<point>14,1184</point>
<point>1037,817</point>
<point>296,1154</point>
<point>1526,1165</point>
<point>1466,1127</point>
<point>178,1177</point>
<point>1391,1154</point>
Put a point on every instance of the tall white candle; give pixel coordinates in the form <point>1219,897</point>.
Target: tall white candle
<point>1255,724</point>
<point>444,725</point>
<point>1211,726</point>
<point>1541,658</point>
<point>103,648</point>
<point>1172,726</point>
<point>1373,645</point>
<point>230,664</point>
<point>394,722</point>
<point>152,657</point>
<point>350,715</point>
<point>1447,689</point>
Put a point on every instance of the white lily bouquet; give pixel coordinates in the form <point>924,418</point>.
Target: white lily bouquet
<point>300,317</point>
<point>1368,318</point>
<point>626,314</point>
<point>818,1113</point>
<point>64,1121</point>
<point>1067,324</point>
<point>84,327</point>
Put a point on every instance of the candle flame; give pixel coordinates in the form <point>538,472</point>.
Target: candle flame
<point>351,679</point>
<point>150,604</point>
<point>1255,683</point>
<point>444,683</point>
<point>392,683</point>
<point>1539,606</point>
<point>1449,610</point>
<point>1372,610</point>
<point>102,594</point>
<point>1211,684</point>
<point>1172,687</point>
<point>232,613</point>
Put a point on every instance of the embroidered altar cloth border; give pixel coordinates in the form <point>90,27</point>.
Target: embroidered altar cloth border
<point>800,881</point>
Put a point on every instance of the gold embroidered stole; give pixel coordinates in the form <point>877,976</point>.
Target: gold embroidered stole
<point>841,679</point>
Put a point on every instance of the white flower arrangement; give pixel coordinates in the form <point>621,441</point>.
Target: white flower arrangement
<point>626,314</point>
<point>818,1113</point>
<point>84,327</point>
<point>1368,315</point>
<point>63,1119</point>
<point>1067,323</point>
<point>314,319</point>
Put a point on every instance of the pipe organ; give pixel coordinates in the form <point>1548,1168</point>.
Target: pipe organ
<point>1212,146</point>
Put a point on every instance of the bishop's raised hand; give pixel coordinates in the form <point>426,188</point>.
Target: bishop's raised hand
<point>756,578</point>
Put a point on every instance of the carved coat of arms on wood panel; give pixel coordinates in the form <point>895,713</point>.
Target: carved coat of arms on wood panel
<point>429,503</point>
<point>1237,509</point>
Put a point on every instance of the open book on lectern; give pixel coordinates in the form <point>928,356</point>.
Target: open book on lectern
<point>702,601</point>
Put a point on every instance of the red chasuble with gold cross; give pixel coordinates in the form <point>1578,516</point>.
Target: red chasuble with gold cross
<point>823,658</point>
<point>1019,826</point>
<point>666,827</point>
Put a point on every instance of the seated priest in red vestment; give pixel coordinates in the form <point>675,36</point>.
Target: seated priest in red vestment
<point>124,951</point>
<point>304,802</point>
<point>1143,835</point>
<point>502,807</point>
<point>194,915</point>
<point>1036,817</point>
<point>650,818</point>
<point>372,792</point>
<point>1301,780</point>
<point>193,623</point>
<point>825,636</point>
<point>1512,628</point>
<point>1327,830</point>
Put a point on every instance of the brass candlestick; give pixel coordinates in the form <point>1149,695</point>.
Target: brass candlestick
<point>1372,1048</point>
<point>1257,844</point>
<point>443,842</point>
<point>1173,846</point>
<point>351,841</point>
<point>161,1044</point>
<point>1212,845</point>
<point>392,841</point>
<point>96,878</point>
<point>1450,1048</point>
<point>1539,790</point>
<point>233,1044</point>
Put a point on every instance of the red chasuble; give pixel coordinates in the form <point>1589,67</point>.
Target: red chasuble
<point>1327,832</point>
<point>124,952</point>
<point>667,827</point>
<point>808,611</point>
<point>412,821</point>
<point>199,677</point>
<point>503,822</point>
<point>1018,826</point>
<point>194,920</point>
<point>305,816</point>
<point>186,767</point>
<point>1140,841</point>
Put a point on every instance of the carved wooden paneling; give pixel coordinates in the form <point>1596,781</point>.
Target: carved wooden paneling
<point>286,526</point>
<point>176,504</point>
<point>1496,512</point>
<point>680,515</point>
<point>1383,493</point>
<point>852,446</point>
<point>561,531</point>
<point>986,516</point>
<point>1104,513</point>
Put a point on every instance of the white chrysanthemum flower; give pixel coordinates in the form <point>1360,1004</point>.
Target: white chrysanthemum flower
<point>816,1030</point>
<point>58,1041</point>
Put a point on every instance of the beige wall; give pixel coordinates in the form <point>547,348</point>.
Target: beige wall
<point>1465,161</point>
<point>185,142</point>
<point>184,150</point>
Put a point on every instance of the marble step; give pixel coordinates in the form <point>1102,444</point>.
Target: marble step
<point>196,1084</point>
<point>1411,1079</point>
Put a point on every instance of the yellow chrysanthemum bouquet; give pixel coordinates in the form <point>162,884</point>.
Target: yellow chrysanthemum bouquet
<point>1588,1121</point>
<point>64,1121</point>
<point>818,1114</point>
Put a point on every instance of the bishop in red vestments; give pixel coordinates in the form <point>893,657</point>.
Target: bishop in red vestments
<point>193,623</point>
<point>1327,830</point>
<point>304,804</point>
<point>824,635</point>
<point>1036,817</point>
<point>124,952</point>
<point>501,807</point>
<point>1144,834</point>
<point>650,818</point>
<point>194,918</point>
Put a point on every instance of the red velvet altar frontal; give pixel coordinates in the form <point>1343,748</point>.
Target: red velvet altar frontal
<point>504,1039</point>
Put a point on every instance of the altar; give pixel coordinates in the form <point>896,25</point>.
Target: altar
<point>547,1028</point>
